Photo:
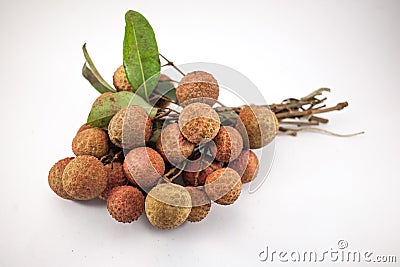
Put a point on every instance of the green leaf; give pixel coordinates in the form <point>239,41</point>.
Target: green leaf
<point>91,74</point>
<point>141,58</point>
<point>105,108</point>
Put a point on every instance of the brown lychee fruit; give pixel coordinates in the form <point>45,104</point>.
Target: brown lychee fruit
<point>92,141</point>
<point>257,125</point>
<point>246,165</point>
<point>168,205</point>
<point>115,177</point>
<point>172,146</point>
<point>55,178</point>
<point>143,166</point>
<point>197,170</point>
<point>84,127</point>
<point>228,144</point>
<point>197,86</point>
<point>84,178</point>
<point>223,186</point>
<point>199,122</point>
<point>201,204</point>
<point>125,203</point>
<point>120,81</point>
<point>131,127</point>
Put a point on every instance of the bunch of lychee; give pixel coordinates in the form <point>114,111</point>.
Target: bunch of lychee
<point>172,166</point>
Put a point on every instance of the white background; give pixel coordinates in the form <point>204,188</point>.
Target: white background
<point>321,189</point>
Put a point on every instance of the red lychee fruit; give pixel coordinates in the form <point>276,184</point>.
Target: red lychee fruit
<point>84,178</point>
<point>246,165</point>
<point>125,203</point>
<point>197,170</point>
<point>92,141</point>
<point>84,127</point>
<point>115,177</point>
<point>197,86</point>
<point>143,166</point>
<point>199,122</point>
<point>258,126</point>
<point>172,146</point>
<point>223,186</point>
<point>228,144</point>
<point>131,127</point>
<point>55,178</point>
<point>201,204</point>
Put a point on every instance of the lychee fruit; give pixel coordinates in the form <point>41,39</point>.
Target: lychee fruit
<point>246,165</point>
<point>199,122</point>
<point>55,178</point>
<point>120,81</point>
<point>172,146</point>
<point>84,178</point>
<point>92,141</point>
<point>228,144</point>
<point>84,127</point>
<point>197,170</point>
<point>131,127</point>
<point>143,166</point>
<point>115,177</point>
<point>125,203</point>
<point>197,86</point>
<point>201,204</point>
<point>223,186</point>
<point>257,125</point>
<point>168,205</point>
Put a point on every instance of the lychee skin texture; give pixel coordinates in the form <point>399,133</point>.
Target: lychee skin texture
<point>197,86</point>
<point>195,173</point>
<point>199,122</point>
<point>130,127</point>
<point>172,146</point>
<point>115,177</point>
<point>246,165</point>
<point>84,178</point>
<point>55,178</point>
<point>258,125</point>
<point>120,81</point>
<point>167,205</point>
<point>143,166</point>
<point>125,203</point>
<point>84,127</point>
<point>223,186</point>
<point>228,144</point>
<point>201,204</point>
<point>92,141</point>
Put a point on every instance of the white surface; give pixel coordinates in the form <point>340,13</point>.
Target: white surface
<point>321,189</point>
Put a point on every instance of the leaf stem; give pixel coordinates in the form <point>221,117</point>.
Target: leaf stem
<point>170,63</point>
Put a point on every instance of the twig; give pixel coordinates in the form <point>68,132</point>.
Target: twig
<point>300,123</point>
<point>163,114</point>
<point>293,114</point>
<point>318,130</point>
<point>171,171</point>
<point>318,119</point>
<point>170,63</point>
<point>179,173</point>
